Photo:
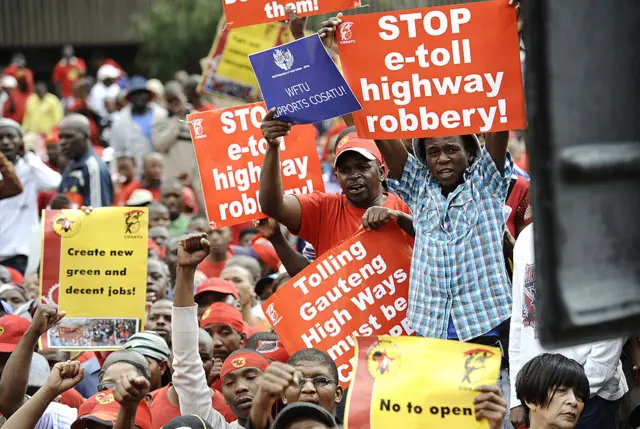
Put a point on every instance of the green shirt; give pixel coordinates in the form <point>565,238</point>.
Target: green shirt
<point>179,226</point>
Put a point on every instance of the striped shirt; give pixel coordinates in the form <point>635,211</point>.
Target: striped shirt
<point>457,270</point>
<point>87,181</point>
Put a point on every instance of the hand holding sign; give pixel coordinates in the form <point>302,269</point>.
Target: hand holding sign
<point>193,249</point>
<point>273,129</point>
<point>490,405</point>
<point>296,24</point>
<point>328,31</point>
<point>377,217</point>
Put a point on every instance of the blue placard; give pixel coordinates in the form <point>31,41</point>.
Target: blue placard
<point>302,82</point>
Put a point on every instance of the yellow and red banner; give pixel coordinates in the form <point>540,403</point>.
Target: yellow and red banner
<point>230,149</point>
<point>227,68</point>
<point>358,288</point>
<point>95,269</point>
<point>416,383</point>
<point>439,71</point>
<point>240,13</point>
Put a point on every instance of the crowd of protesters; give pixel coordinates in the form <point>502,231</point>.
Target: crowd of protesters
<point>208,357</point>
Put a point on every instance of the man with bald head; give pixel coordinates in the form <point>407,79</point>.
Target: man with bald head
<point>86,180</point>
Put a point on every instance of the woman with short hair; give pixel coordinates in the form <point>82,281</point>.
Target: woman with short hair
<point>553,390</point>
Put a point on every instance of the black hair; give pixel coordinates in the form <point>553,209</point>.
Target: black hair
<point>539,379</point>
<point>314,355</point>
<point>469,141</point>
<point>254,340</point>
<point>60,201</point>
<point>247,231</point>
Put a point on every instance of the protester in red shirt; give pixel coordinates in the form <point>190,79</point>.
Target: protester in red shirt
<point>220,253</point>
<point>68,70</point>
<point>152,174</point>
<point>18,69</point>
<point>325,220</point>
<point>165,403</point>
<point>194,97</point>
<point>14,106</point>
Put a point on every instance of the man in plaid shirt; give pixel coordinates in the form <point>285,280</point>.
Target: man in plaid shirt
<point>456,191</point>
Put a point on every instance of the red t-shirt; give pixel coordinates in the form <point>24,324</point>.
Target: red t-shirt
<point>328,219</point>
<point>66,73</point>
<point>15,106</point>
<point>163,411</point>
<point>126,191</point>
<point>519,202</point>
<point>213,269</point>
<point>21,73</point>
<point>72,398</point>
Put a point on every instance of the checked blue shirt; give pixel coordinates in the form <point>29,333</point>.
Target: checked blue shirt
<point>458,269</point>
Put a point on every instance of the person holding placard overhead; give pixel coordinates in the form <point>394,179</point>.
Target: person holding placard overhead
<point>456,191</point>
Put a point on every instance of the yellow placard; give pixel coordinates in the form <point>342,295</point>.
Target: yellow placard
<point>412,382</point>
<point>103,262</point>
<point>241,42</point>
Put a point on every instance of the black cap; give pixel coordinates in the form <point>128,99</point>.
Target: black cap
<point>303,410</point>
<point>192,421</point>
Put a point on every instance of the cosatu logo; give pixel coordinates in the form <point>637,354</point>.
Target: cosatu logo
<point>475,365</point>
<point>66,224</point>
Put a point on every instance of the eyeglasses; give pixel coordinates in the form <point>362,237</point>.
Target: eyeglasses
<point>318,382</point>
<point>105,386</point>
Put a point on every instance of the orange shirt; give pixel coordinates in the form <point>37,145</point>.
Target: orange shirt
<point>328,219</point>
<point>163,411</point>
<point>213,269</point>
<point>66,73</point>
<point>72,398</point>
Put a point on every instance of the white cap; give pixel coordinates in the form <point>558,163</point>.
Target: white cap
<point>140,197</point>
<point>108,71</point>
<point>39,371</point>
<point>8,82</point>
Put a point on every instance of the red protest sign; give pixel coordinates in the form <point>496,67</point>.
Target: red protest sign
<point>230,149</point>
<point>358,288</point>
<point>438,71</point>
<point>240,13</point>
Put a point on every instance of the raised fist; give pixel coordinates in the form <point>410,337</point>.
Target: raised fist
<point>193,249</point>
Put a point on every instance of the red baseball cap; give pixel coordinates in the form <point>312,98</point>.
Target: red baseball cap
<point>103,408</point>
<point>12,328</point>
<point>216,284</point>
<point>352,143</point>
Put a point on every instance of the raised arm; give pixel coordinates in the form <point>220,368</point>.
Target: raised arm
<point>283,208</point>
<point>496,145</point>
<point>293,261</point>
<point>10,185</point>
<point>64,376</point>
<point>393,151</point>
<point>130,389</point>
<point>15,376</point>
<point>189,378</point>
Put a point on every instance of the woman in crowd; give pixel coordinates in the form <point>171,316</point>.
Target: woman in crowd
<point>553,390</point>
